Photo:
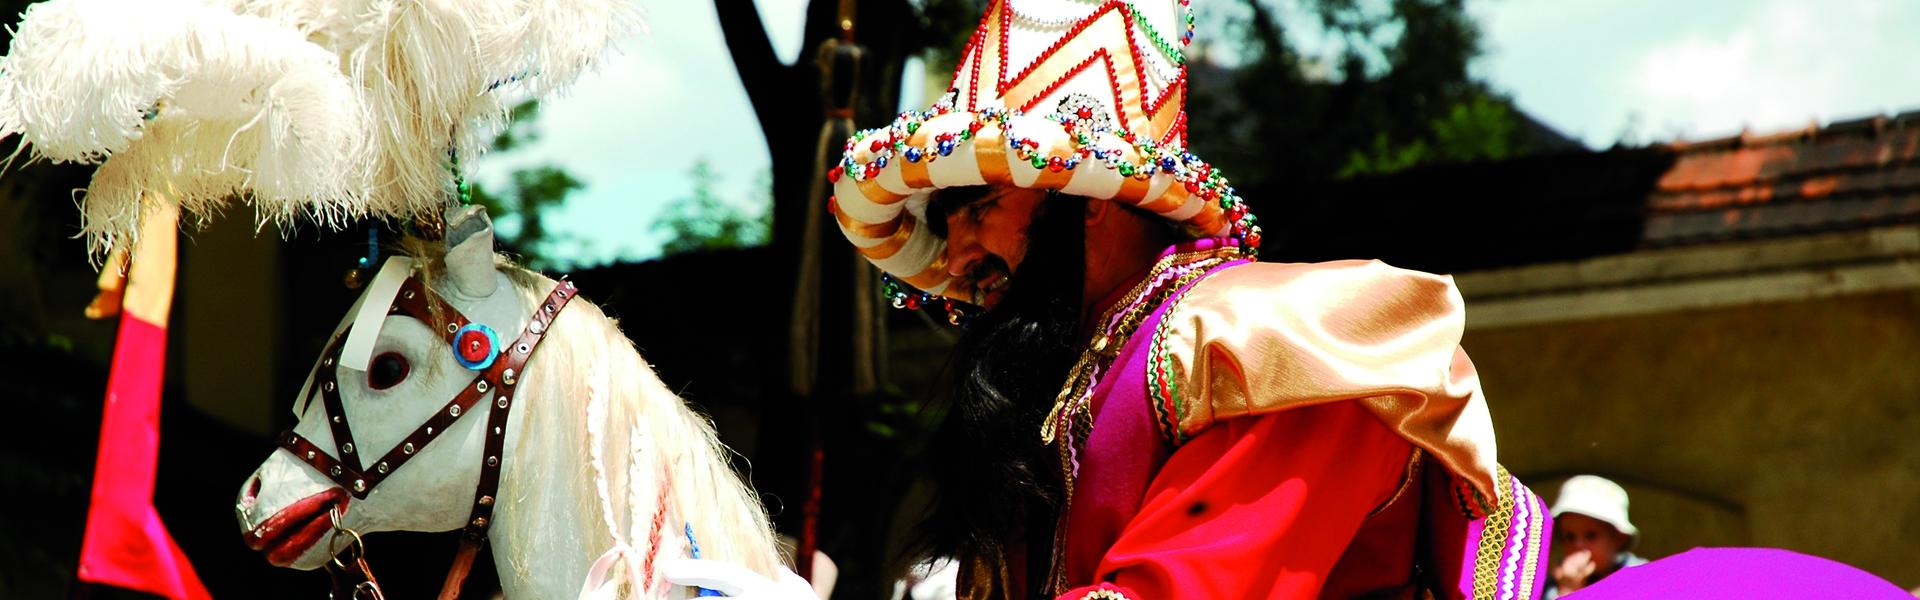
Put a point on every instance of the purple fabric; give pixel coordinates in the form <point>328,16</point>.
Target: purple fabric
<point>1119,461</point>
<point>1542,570</point>
<point>1125,449</point>
<point>1745,573</point>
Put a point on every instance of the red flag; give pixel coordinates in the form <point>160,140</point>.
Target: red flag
<point>126,545</point>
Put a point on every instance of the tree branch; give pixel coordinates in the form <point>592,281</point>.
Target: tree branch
<point>761,72</point>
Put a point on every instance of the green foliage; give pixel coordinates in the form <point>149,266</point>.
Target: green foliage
<point>705,222</point>
<point>1477,129</point>
<point>1388,89</point>
<point>529,193</point>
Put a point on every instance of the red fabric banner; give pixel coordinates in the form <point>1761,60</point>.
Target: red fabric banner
<point>126,545</point>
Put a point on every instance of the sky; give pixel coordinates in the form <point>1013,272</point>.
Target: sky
<point>1600,71</point>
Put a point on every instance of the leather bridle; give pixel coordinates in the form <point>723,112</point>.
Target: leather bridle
<point>494,383</point>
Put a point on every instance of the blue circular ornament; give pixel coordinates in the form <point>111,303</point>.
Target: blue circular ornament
<point>475,346</point>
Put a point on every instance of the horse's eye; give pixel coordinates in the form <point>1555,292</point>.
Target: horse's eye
<point>387,370</point>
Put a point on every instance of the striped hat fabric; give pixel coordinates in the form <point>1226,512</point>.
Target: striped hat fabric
<point>1087,98</point>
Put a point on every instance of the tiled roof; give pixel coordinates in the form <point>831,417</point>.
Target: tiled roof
<point>1554,207</point>
<point>1847,175</point>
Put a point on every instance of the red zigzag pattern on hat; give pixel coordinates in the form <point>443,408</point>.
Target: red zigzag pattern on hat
<point>1113,14</point>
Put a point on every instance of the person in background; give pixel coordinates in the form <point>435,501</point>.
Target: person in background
<point>1591,533</point>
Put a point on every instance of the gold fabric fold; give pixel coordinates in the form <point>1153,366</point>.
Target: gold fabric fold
<point>1261,338</point>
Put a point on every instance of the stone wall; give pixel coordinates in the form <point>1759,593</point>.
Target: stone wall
<point>1792,424</point>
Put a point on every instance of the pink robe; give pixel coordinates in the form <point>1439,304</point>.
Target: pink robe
<point>1298,431</point>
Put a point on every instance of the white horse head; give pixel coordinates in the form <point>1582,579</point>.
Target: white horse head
<point>597,455</point>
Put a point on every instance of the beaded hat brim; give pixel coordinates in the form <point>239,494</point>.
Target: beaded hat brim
<point>1087,126</point>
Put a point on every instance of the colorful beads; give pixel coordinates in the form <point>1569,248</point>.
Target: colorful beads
<point>1089,130</point>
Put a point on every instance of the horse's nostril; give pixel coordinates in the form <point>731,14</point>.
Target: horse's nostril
<point>253,487</point>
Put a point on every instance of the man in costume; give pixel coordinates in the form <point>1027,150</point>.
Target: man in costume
<point>1138,408</point>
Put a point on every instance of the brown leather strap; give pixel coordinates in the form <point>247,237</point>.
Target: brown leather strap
<point>513,359</point>
<point>415,300</point>
<point>326,383</point>
<point>462,564</point>
<point>355,476</point>
<point>511,367</point>
<point>353,580</point>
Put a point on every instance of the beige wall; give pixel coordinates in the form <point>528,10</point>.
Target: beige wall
<point>1789,424</point>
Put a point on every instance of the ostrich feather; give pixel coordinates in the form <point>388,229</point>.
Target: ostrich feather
<point>191,100</point>
<point>434,73</point>
<point>328,110</point>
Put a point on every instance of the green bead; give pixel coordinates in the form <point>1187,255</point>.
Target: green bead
<point>1126,169</point>
<point>913,126</point>
<point>1038,161</point>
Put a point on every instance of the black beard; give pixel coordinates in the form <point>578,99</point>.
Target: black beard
<point>993,479</point>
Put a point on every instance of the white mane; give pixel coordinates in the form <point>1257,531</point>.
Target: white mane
<point>600,420</point>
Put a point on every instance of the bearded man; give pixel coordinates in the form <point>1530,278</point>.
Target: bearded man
<point>1137,408</point>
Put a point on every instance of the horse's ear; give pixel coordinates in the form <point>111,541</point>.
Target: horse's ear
<point>470,250</point>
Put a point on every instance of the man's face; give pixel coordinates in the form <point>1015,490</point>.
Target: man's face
<point>987,239</point>
<point>1574,532</point>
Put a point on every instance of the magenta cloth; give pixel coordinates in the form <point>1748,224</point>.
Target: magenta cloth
<point>1744,573</point>
<point>126,545</point>
<point>1126,450</point>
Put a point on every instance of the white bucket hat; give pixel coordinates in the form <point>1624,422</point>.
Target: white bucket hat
<point>1596,497</point>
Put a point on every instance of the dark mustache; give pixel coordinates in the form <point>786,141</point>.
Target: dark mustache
<point>988,266</point>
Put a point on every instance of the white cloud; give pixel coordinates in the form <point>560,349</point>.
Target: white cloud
<point>1700,68</point>
<point>1786,65</point>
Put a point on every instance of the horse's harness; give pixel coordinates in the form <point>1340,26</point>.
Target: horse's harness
<point>499,369</point>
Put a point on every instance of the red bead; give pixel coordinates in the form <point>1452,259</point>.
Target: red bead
<point>1236,213</point>
<point>877,145</point>
<point>913,303</point>
<point>1193,187</point>
<point>833,176</point>
<point>474,346</point>
<point>1253,238</point>
<point>1084,113</point>
<point>1055,164</point>
<point>873,170</point>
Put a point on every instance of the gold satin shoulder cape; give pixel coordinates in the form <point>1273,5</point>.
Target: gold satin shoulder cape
<point>1266,337</point>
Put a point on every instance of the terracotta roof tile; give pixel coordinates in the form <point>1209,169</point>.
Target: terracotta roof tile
<point>1848,174</point>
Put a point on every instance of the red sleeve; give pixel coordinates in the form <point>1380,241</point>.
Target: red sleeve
<point>1255,507</point>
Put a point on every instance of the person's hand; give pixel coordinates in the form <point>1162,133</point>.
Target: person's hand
<point>735,581</point>
<point>1574,570</point>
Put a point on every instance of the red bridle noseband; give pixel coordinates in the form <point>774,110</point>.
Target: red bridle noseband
<point>496,382</point>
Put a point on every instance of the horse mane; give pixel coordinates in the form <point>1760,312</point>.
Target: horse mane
<point>604,424</point>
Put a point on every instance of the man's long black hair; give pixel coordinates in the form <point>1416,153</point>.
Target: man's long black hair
<point>992,477</point>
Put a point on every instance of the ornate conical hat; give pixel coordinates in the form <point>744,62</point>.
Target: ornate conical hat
<point>1084,98</point>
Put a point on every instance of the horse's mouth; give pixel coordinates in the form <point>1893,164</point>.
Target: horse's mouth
<point>288,534</point>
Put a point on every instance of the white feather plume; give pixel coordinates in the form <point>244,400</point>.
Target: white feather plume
<point>192,100</point>
<point>434,72</point>
<point>326,109</point>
